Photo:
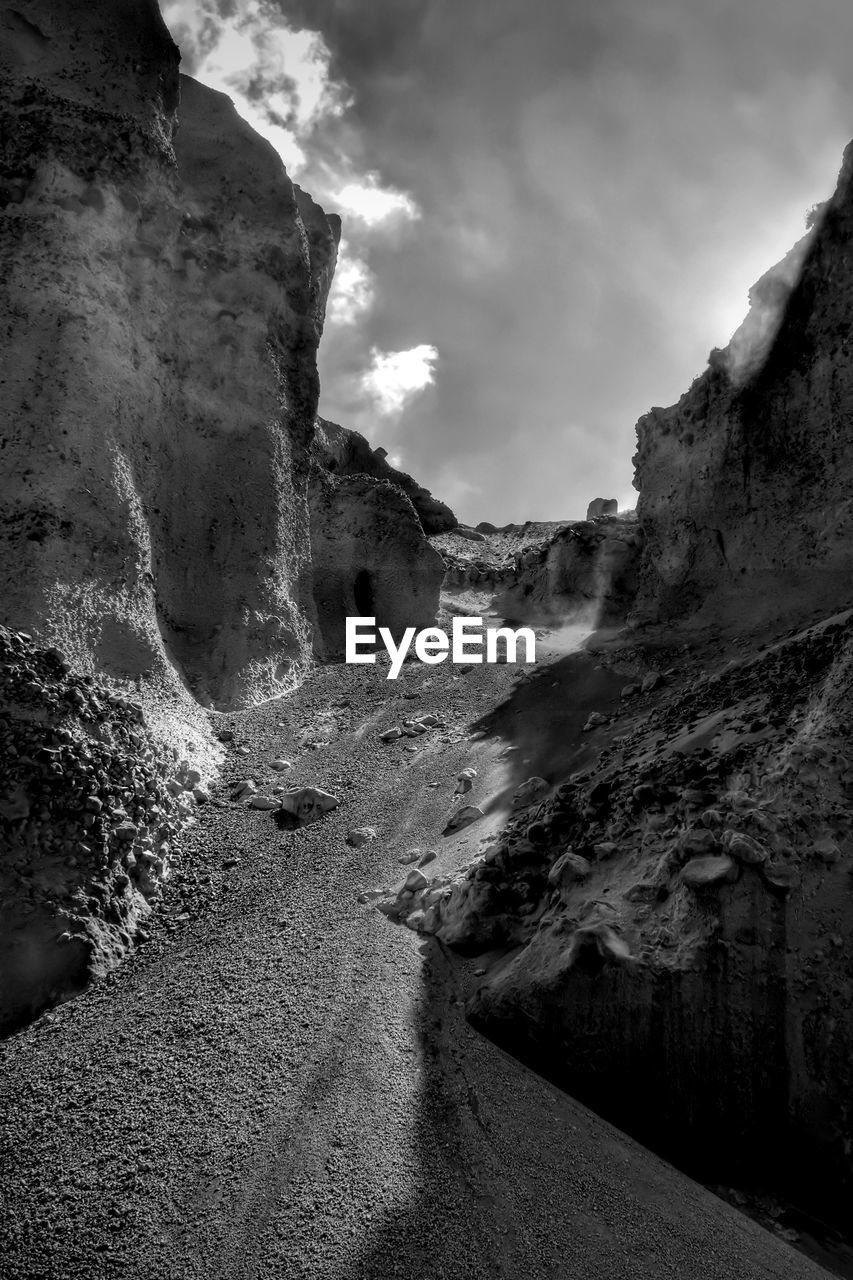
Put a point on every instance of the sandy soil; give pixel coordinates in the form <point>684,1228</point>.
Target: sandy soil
<point>281,1082</point>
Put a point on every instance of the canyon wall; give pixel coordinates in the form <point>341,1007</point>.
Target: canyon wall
<point>163,297</point>
<point>162,294</point>
<point>745,483</point>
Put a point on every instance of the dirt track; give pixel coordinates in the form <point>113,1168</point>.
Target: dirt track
<point>281,1083</point>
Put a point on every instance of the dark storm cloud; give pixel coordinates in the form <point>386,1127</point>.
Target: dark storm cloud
<point>598,186</point>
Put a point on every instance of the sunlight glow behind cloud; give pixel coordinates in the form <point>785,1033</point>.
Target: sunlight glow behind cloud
<point>372,203</point>
<point>396,377</point>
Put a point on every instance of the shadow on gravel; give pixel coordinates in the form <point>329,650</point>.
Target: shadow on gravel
<point>544,717</point>
<point>451,1229</point>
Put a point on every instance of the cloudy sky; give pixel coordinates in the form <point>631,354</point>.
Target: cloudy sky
<point>553,209</point>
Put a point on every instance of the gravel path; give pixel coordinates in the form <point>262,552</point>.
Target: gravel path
<point>281,1082</point>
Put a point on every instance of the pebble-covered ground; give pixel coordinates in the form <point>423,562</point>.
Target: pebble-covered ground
<point>280,1082</point>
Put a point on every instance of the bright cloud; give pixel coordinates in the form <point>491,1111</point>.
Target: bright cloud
<point>352,293</point>
<point>373,203</point>
<point>278,77</point>
<point>396,377</point>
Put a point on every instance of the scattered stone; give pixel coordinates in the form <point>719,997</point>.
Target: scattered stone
<point>529,792</point>
<point>707,873</point>
<point>744,848</point>
<point>463,818</point>
<point>308,804</point>
<point>360,836</point>
<point>781,875</point>
<point>570,868</point>
<point>245,788</point>
<point>260,801</point>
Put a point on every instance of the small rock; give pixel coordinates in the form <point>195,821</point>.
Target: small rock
<point>594,720</point>
<point>391,735</point>
<point>360,836</point>
<point>428,857</point>
<point>781,875</point>
<point>415,881</point>
<point>263,802</point>
<point>308,804</point>
<point>411,856</point>
<point>744,848</point>
<point>568,869</point>
<point>464,818</point>
<point>280,765</point>
<point>630,690</point>
<point>529,792</point>
<point>706,873</point>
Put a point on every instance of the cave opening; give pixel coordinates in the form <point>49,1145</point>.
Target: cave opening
<point>365,603</point>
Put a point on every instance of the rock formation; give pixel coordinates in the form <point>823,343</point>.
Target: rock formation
<point>164,287</point>
<point>89,806</point>
<point>745,483</point>
<point>346,453</point>
<point>602,507</point>
<point>162,293</point>
<point>370,558</point>
<point>587,569</point>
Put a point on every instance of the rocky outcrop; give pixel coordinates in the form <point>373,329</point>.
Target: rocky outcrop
<point>745,483</point>
<point>370,558</point>
<point>587,569</point>
<point>678,925</point>
<point>346,453</point>
<point>163,292</point>
<point>602,507</point>
<point>89,808</point>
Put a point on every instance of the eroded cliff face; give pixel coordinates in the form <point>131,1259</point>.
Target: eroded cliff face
<point>370,558</point>
<point>164,285</point>
<point>347,453</point>
<point>745,483</point>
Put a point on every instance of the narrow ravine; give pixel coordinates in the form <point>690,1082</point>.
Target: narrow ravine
<point>282,1082</point>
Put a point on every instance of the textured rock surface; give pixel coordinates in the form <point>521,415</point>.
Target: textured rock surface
<point>89,806</point>
<point>589,568</point>
<point>745,483</point>
<point>162,300</point>
<point>370,558</point>
<point>539,572</point>
<point>347,453</point>
<point>708,1013</point>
